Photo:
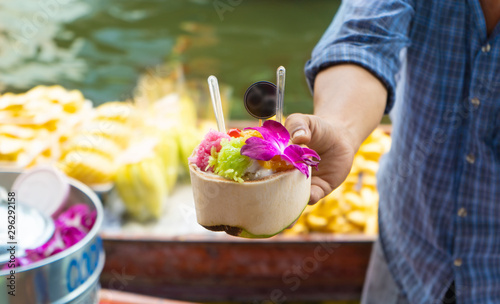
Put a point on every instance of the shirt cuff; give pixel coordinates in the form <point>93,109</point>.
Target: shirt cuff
<point>348,53</point>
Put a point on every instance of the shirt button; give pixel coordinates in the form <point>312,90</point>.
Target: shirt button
<point>475,102</point>
<point>470,159</point>
<point>486,48</point>
<point>457,262</point>
<point>462,212</point>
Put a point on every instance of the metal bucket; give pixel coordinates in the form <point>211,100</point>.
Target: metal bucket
<point>71,276</point>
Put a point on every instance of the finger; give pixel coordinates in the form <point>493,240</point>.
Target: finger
<point>319,189</point>
<point>298,126</point>
<point>316,194</point>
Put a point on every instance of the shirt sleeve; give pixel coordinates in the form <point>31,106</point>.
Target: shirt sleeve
<point>369,33</point>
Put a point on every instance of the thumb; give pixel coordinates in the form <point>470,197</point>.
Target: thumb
<point>298,126</point>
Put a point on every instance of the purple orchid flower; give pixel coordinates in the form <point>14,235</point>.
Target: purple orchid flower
<point>74,224</point>
<point>78,216</point>
<point>71,227</point>
<point>275,142</point>
<point>72,235</point>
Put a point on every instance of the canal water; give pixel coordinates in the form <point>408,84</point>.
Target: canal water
<point>102,46</point>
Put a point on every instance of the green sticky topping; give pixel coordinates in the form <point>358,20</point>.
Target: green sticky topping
<point>228,162</point>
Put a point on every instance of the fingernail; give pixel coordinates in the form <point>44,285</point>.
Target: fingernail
<point>299,133</point>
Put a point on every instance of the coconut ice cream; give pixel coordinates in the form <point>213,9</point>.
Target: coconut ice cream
<point>250,183</point>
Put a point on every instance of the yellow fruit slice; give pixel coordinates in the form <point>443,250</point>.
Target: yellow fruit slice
<point>113,130</point>
<point>317,223</point>
<point>141,181</point>
<point>114,110</point>
<point>369,197</point>
<point>11,146</point>
<point>88,167</point>
<point>370,167</point>
<point>17,131</point>
<point>354,199</point>
<point>92,143</point>
<point>371,151</point>
<point>298,228</point>
<point>168,150</point>
<point>356,217</point>
<point>371,226</point>
<point>369,180</point>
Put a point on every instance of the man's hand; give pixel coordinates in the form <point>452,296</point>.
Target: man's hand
<point>334,145</point>
<point>349,102</point>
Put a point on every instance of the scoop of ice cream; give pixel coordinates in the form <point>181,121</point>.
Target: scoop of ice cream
<point>228,162</point>
<point>202,153</point>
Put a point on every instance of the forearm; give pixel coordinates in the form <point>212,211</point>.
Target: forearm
<point>349,95</point>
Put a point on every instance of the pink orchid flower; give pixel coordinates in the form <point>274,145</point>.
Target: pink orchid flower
<point>78,216</point>
<point>275,142</point>
<point>71,227</point>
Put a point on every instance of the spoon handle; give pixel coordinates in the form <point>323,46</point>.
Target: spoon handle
<point>280,84</point>
<point>213,85</point>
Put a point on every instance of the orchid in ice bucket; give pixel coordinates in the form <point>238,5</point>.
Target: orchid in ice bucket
<point>275,143</point>
<point>71,226</point>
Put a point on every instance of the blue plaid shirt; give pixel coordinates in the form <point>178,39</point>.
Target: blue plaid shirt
<point>440,183</point>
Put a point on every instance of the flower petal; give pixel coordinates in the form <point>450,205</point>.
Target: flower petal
<point>302,168</point>
<point>299,154</point>
<point>294,153</point>
<point>275,142</point>
<point>71,236</point>
<point>278,131</point>
<point>310,153</point>
<point>259,149</point>
<point>71,227</point>
<point>275,133</point>
<point>299,165</point>
<point>311,162</point>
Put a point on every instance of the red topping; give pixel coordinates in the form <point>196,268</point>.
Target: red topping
<point>234,133</point>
